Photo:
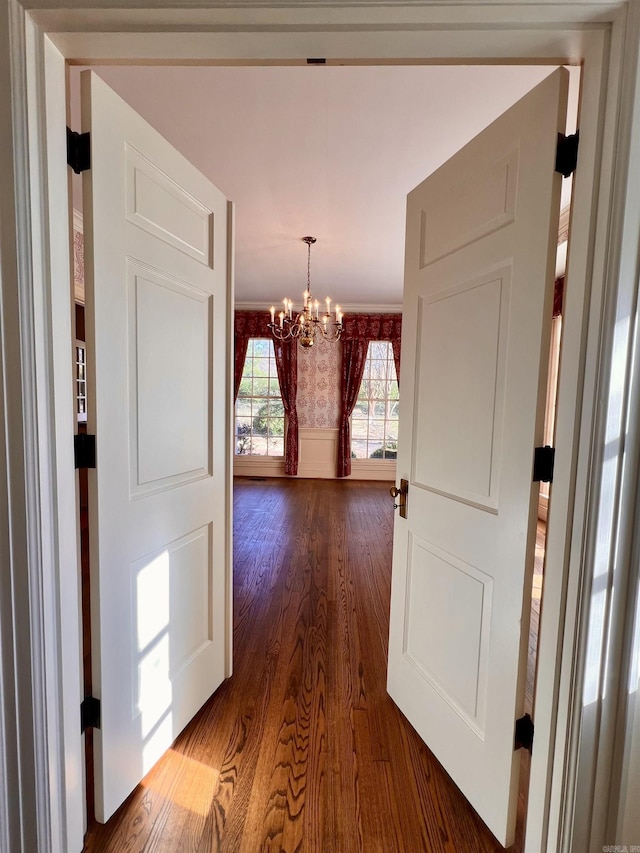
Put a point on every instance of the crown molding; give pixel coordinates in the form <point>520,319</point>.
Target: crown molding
<point>347,309</point>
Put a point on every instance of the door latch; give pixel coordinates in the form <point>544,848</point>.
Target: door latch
<point>401,494</point>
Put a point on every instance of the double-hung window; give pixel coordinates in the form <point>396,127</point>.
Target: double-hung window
<point>260,423</point>
<point>374,420</point>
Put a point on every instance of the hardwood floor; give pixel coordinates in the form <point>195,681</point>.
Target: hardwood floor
<point>302,749</point>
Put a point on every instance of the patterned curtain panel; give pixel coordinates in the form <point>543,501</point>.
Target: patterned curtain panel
<point>354,356</point>
<point>254,324</point>
<point>359,329</point>
<point>287,367</point>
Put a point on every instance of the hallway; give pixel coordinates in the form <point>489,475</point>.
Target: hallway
<point>302,749</point>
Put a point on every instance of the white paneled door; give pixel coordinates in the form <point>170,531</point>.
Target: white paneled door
<point>156,255</point>
<point>480,255</point>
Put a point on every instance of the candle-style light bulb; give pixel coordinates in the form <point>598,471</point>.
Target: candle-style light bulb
<point>273,313</point>
<point>315,307</point>
<point>281,319</point>
<point>328,300</point>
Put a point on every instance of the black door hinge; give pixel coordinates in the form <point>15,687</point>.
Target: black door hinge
<point>543,462</point>
<point>84,450</point>
<point>78,151</point>
<point>89,713</point>
<point>567,153</point>
<point>523,738</point>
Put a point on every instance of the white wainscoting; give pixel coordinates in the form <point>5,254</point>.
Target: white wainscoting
<point>373,469</point>
<point>258,466</point>
<point>317,460</point>
<point>318,453</point>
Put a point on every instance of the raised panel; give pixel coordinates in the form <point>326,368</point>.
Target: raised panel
<point>158,205</point>
<point>190,575</point>
<point>446,632</point>
<point>470,211</point>
<point>459,410</point>
<point>170,345</point>
<point>170,618</point>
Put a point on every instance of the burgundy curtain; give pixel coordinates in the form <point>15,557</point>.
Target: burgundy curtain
<point>254,324</point>
<point>395,343</point>
<point>558,296</point>
<point>354,355</point>
<point>359,329</point>
<point>287,366</point>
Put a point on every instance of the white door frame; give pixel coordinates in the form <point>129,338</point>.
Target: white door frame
<point>39,604</point>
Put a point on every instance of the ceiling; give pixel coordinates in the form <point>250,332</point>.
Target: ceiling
<point>329,151</point>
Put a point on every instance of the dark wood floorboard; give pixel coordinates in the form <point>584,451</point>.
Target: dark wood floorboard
<point>302,749</point>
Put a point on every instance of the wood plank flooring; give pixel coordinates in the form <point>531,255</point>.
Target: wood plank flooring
<point>302,749</point>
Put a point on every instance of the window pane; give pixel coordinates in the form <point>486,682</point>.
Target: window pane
<point>245,387</point>
<point>260,387</point>
<point>360,410</point>
<point>376,428</point>
<point>274,388</point>
<point>243,409</point>
<point>359,428</point>
<point>359,449</point>
<point>363,393</point>
<point>379,349</point>
<point>260,418</point>
<point>260,366</point>
<point>378,389</point>
<point>276,446</point>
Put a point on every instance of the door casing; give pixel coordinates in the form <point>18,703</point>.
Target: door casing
<point>601,250</point>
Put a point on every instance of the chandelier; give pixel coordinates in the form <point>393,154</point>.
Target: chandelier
<point>309,324</point>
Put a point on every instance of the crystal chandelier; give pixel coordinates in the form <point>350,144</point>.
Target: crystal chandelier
<point>309,323</point>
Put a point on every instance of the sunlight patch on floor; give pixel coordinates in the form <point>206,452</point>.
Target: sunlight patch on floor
<point>196,786</point>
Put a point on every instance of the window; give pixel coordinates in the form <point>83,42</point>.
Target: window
<point>374,421</point>
<point>259,409</point>
<point>81,382</point>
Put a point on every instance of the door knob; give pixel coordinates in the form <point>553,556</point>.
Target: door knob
<point>401,494</point>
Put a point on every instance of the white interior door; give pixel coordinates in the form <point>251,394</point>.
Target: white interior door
<point>156,244</point>
<point>480,255</point>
